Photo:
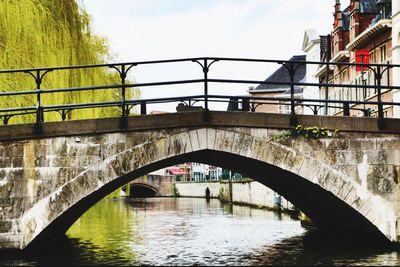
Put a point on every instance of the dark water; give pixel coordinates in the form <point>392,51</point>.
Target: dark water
<point>185,231</point>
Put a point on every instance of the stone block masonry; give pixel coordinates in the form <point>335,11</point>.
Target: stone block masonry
<point>347,183</point>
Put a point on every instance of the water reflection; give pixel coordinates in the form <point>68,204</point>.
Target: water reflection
<point>162,231</point>
<point>316,248</point>
<point>194,231</point>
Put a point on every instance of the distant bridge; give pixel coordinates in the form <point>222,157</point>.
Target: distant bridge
<point>152,186</point>
<point>52,172</point>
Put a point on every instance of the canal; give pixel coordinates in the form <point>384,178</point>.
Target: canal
<point>195,231</point>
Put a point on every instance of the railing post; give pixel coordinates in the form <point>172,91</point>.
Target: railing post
<point>245,104</point>
<point>124,119</point>
<point>234,103</point>
<point>38,76</point>
<point>205,67</point>
<point>346,109</point>
<point>124,110</point>
<point>123,77</point>
<point>327,58</point>
<point>326,88</point>
<point>205,71</point>
<point>378,77</point>
<point>5,119</point>
<point>38,128</point>
<point>293,119</point>
<point>143,110</point>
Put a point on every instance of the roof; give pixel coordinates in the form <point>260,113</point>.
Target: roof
<point>383,2</point>
<point>369,6</point>
<point>346,18</point>
<point>366,6</point>
<point>175,171</point>
<point>386,15</point>
<point>282,75</point>
<point>297,90</point>
<point>310,36</point>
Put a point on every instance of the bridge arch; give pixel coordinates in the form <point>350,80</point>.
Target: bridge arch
<point>325,194</point>
<point>142,190</point>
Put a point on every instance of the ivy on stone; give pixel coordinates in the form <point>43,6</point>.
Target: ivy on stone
<point>307,132</point>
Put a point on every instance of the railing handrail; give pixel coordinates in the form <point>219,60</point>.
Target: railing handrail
<point>137,63</point>
<point>205,62</point>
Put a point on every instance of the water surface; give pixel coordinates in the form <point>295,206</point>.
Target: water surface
<point>193,231</point>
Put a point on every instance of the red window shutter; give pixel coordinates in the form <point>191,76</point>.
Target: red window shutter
<point>362,57</point>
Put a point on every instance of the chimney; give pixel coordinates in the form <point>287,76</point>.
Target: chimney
<point>357,5</point>
<point>337,6</point>
<point>338,15</point>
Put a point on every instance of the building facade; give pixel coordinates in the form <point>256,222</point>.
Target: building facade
<point>272,89</point>
<point>312,48</point>
<point>362,33</point>
<point>396,52</point>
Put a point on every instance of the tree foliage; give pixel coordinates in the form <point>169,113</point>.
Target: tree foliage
<point>49,33</point>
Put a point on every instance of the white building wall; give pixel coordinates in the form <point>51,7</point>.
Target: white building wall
<point>396,52</point>
<point>311,46</point>
<point>249,192</point>
<point>255,193</point>
<point>199,171</point>
<point>198,189</point>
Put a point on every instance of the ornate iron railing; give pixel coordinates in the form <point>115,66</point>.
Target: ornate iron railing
<point>247,103</point>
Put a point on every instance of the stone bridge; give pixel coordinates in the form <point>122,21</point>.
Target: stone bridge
<point>346,183</point>
<point>153,185</point>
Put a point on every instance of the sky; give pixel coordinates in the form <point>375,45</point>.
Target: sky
<point>145,30</point>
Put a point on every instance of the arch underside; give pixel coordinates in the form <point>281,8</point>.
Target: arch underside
<point>324,208</point>
<point>142,190</point>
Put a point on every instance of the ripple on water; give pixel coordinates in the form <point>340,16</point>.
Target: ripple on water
<point>183,231</point>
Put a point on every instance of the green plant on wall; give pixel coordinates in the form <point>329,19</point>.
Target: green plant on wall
<point>175,191</point>
<point>307,132</point>
<point>48,33</point>
<point>313,132</point>
<point>221,192</point>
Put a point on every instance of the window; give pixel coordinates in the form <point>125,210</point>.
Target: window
<point>372,56</point>
<point>284,108</point>
<point>329,111</point>
<point>383,57</point>
<point>353,93</point>
<point>383,60</point>
<point>336,44</point>
<point>352,29</point>
<point>336,97</point>
<point>344,76</point>
<point>386,11</point>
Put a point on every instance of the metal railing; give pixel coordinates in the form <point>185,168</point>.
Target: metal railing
<point>248,103</point>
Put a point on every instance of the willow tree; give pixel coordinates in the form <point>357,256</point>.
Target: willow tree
<point>49,33</point>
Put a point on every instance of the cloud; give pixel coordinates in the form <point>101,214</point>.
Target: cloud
<point>163,29</point>
<point>223,28</point>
